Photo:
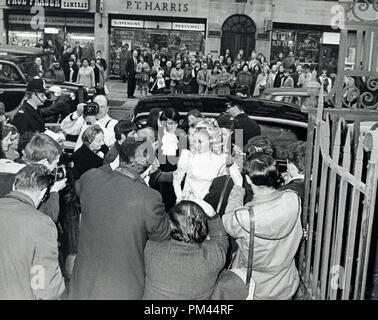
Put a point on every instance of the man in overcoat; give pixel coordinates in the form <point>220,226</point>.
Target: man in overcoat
<point>119,213</point>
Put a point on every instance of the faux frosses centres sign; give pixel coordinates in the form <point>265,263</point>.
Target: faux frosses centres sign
<point>62,4</point>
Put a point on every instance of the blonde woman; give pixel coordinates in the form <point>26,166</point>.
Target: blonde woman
<point>202,163</point>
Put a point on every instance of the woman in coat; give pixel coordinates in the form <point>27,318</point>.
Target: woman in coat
<point>186,267</point>
<point>187,79</point>
<point>91,154</point>
<point>244,79</point>
<point>177,75</point>
<point>278,231</point>
<point>263,82</point>
<point>213,81</point>
<point>86,76</point>
<point>224,82</point>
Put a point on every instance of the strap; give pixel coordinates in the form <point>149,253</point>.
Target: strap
<point>223,194</point>
<point>251,245</point>
<point>106,126</point>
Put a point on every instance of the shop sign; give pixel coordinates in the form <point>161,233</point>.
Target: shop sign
<point>188,26</point>
<point>127,23</point>
<point>182,8</point>
<point>76,5</point>
<point>61,4</point>
<point>53,21</point>
<point>158,25</point>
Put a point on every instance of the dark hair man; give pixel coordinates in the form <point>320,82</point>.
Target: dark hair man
<point>119,213</point>
<point>29,267</point>
<point>122,130</point>
<point>243,125</point>
<point>296,165</point>
<point>131,64</point>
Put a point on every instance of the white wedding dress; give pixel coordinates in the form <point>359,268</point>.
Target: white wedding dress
<point>200,170</point>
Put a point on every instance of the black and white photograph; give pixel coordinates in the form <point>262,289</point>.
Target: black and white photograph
<point>197,156</point>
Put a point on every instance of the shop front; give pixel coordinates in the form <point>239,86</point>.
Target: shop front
<point>174,25</point>
<point>317,48</point>
<point>152,33</point>
<point>26,25</point>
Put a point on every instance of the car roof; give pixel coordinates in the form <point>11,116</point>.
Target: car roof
<point>217,104</point>
<point>300,92</point>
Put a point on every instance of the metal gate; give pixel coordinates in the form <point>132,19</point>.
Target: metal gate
<point>342,174</point>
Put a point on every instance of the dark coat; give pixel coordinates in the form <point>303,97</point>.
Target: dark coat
<point>114,230</point>
<point>250,128</point>
<point>60,108</point>
<point>185,271</point>
<point>28,119</point>
<point>28,239</point>
<point>85,159</point>
<point>130,66</point>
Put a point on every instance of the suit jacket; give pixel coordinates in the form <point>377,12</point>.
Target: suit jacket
<point>185,271</point>
<point>28,243</point>
<point>28,119</point>
<point>78,52</point>
<point>249,127</point>
<point>114,230</point>
<point>130,66</point>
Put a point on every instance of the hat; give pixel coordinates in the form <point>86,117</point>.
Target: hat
<point>234,100</point>
<point>36,85</point>
<point>57,91</point>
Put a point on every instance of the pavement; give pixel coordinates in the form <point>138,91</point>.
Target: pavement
<point>120,105</point>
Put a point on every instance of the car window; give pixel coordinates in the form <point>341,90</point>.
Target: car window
<point>9,74</point>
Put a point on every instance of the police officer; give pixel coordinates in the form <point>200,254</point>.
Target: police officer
<point>29,117</point>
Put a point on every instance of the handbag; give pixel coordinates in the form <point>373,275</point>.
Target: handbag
<point>237,283</point>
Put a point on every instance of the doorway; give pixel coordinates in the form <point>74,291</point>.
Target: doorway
<point>238,32</point>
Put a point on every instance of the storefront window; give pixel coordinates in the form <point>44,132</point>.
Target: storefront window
<point>152,38</point>
<point>306,46</point>
<point>56,29</point>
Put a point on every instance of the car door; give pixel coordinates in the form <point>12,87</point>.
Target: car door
<point>12,86</point>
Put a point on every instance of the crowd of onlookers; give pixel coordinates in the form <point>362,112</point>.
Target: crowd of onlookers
<point>154,212</point>
<point>155,71</point>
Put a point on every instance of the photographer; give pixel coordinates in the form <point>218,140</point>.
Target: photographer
<point>28,240</point>
<point>40,150</point>
<point>87,115</point>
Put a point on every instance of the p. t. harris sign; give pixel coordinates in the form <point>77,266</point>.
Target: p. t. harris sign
<point>184,8</point>
<point>57,4</point>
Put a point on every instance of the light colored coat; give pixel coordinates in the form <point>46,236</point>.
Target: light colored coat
<point>278,233</point>
<point>28,245</point>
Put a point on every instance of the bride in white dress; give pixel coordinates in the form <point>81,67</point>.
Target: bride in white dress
<point>202,163</point>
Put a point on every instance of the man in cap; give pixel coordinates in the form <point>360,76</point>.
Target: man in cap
<point>60,106</point>
<point>29,117</point>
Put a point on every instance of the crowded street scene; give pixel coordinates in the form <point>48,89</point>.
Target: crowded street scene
<point>189,150</point>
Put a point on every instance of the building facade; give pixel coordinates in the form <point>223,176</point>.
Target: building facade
<point>200,26</point>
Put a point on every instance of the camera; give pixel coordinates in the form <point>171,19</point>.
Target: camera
<point>58,174</point>
<point>91,109</point>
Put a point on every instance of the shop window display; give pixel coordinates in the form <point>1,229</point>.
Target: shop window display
<point>173,40</point>
<point>304,44</point>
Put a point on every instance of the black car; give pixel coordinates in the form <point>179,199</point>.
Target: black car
<point>14,77</point>
<point>279,121</point>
